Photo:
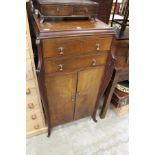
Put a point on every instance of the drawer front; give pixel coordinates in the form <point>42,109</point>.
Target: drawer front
<point>32,101</point>
<point>85,10</point>
<point>34,120</point>
<point>30,84</point>
<point>74,46</point>
<point>75,63</point>
<point>56,10</point>
<point>27,47</point>
<point>30,92</point>
<point>29,71</point>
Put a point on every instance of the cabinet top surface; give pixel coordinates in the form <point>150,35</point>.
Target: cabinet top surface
<point>81,2</point>
<point>71,26</point>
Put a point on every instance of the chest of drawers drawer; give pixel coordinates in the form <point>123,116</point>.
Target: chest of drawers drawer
<point>56,10</point>
<point>69,8</point>
<point>85,10</point>
<point>34,120</point>
<point>32,102</point>
<point>29,71</point>
<point>30,84</point>
<point>74,46</point>
<point>72,63</point>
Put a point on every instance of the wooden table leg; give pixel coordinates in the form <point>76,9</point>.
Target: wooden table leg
<point>107,100</point>
<point>108,95</point>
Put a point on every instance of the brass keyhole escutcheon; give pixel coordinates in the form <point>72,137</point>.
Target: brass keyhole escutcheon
<point>78,93</point>
<point>98,47</point>
<point>94,62</point>
<point>73,98</point>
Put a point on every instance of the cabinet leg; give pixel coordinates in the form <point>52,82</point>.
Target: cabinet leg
<point>94,118</point>
<point>49,132</point>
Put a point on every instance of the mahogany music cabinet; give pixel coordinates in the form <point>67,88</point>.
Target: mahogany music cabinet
<point>74,67</point>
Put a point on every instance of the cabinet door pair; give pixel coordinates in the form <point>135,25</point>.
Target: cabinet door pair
<point>73,96</point>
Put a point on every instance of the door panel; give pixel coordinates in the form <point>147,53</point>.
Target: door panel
<point>60,90</point>
<point>87,91</point>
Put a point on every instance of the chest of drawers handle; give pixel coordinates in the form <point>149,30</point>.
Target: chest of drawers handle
<point>31,105</point>
<point>60,67</point>
<point>97,47</point>
<point>61,50</point>
<point>36,126</point>
<point>94,62</point>
<point>34,117</point>
<point>28,91</point>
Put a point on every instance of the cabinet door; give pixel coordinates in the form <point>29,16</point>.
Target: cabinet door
<point>61,93</point>
<point>87,91</point>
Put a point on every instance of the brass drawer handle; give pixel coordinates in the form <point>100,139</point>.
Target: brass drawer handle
<point>28,91</point>
<point>31,105</point>
<point>94,62</point>
<point>34,117</point>
<point>61,67</point>
<point>36,126</point>
<point>61,50</point>
<point>97,47</point>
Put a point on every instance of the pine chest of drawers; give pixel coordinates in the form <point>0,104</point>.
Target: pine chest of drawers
<point>73,67</point>
<point>35,122</point>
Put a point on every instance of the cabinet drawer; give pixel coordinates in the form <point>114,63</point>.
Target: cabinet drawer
<point>30,84</point>
<point>85,10</point>
<point>56,10</point>
<point>74,46</point>
<point>32,102</point>
<point>27,54</point>
<point>34,120</point>
<point>33,116</point>
<point>73,63</point>
<point>30,93</point>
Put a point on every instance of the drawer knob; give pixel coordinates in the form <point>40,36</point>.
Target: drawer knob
<point>97,47</point>
<point>28,91</point>
<point>94,62</point>
<point>86,10</point>
<point>60,67</point>
<point>61,50</point>
<point>58,10</point>
<point>36,126</point>
<point>31,105</point>
<point>34,117</point>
